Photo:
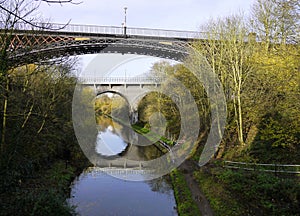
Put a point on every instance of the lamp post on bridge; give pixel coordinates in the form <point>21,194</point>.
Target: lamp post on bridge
<point>125,9</point>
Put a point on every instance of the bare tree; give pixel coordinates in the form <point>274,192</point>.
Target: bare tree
<point>8,12</point>
<point>59,1</point>
<point>14,14</point>
<point>276,21</point>
<point>227,50</point>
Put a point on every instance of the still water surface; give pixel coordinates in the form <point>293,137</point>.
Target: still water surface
<point>97,193</point>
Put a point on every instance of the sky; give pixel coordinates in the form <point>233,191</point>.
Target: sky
<point>166,14</point>
<point>160,14</point>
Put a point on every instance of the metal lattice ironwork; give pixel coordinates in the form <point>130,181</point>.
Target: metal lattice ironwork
<point>23,41</point>
<point>29,45</point>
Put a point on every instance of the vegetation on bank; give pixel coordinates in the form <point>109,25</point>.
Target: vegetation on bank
<point>269,113</point>
<point>39,153</point>
<point>43,193</point>
<point>238,192</point>
<point>40,156</point>
<point>185,203</point>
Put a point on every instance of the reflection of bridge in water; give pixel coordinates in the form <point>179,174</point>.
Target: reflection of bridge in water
<point>121,171</point>
<point>134,158</point>
<point>121,166</point>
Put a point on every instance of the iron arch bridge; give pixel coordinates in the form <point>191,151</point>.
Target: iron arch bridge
<point>30,44</point>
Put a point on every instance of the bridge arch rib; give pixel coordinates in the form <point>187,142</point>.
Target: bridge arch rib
<point>175,50</point>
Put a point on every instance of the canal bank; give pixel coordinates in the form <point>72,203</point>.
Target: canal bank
<point>190,199</point>
<point>44,192</point>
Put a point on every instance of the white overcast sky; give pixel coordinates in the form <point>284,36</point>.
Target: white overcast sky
<point>162,14</point>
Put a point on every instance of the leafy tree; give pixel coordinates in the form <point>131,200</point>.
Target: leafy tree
<point>273,91</point>
<point>169,105</point>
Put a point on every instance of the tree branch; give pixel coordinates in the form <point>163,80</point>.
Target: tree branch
<point>32,24</point>
<point>60,1</point>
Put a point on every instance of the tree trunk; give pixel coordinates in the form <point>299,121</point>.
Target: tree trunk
<point>3,134</point>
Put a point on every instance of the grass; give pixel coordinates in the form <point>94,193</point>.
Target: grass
<point>185,203</point>
<point>220,199</point>
<point>232,192</point>
<point>151,135</point>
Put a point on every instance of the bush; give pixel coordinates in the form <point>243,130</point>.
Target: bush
<point>269,194</point>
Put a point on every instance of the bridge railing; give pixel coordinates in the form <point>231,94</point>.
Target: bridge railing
<point>117,30</point>
<point>120,80</point>
<point>273,168</point>
<point>120,171</point>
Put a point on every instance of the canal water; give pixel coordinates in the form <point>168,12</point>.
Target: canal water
<point>97,193</point>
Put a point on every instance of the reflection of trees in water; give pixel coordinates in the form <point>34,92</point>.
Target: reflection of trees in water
<point>144,153</point>
<point>149,152</point>
<point>126,133</point>
<point>161,185</point>
<point>103,122</point>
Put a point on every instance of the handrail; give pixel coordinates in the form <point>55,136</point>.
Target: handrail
<point>115,80</point>
<point>95,29</point>
<point>261,164</point>
<point>276,168</point>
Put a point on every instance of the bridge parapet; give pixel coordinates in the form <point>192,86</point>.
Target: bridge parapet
<point>115,30</point>
<point>125,173</point>
<point>120,80</point>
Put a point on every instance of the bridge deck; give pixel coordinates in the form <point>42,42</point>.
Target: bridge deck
<point>30,44</point>
<point>90,30</point>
